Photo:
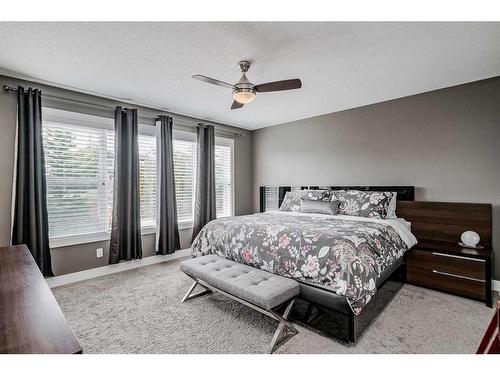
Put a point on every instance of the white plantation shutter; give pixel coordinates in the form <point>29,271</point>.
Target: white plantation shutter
<point>185,170</point>
<point>79,170</point>
<point>147,182</point>
<point>223,180</point>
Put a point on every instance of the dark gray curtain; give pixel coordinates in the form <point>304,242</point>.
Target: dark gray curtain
<point>168,230</point>
<point>205,178</point>
<point>126,243</point>
<point>30,223</point>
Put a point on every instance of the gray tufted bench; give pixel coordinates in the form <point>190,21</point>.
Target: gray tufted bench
<point>260,290</point>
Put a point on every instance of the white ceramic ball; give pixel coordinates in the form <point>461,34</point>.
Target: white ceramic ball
<point>470,238</point>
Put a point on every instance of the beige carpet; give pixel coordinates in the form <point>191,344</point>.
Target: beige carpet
<point>139,311</point>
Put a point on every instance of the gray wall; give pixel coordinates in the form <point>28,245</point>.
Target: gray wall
<point>446,143</point>
<point>83,256</point>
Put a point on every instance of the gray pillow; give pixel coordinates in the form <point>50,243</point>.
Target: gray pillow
<point>371,204</point>
<point>319,207</point>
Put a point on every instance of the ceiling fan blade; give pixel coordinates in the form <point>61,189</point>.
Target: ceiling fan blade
<point>288,84</point>
<point>236,105</point>
<point>213,81</point>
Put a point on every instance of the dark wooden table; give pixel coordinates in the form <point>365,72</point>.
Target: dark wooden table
<point>31,321</point>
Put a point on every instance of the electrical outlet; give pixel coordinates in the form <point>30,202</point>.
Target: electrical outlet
<point>98,252</point>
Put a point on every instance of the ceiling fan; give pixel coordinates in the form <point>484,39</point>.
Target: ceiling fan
<point>245,91</point>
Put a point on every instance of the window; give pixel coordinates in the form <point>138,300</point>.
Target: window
<point>224,179</point>
<point>147,170</point>
<point>79,162</point>
<point>185,169</point>
<point>79,170</point>
<point>184,146</point>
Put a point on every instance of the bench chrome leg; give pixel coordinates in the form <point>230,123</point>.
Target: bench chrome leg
<point>201,293</point>
<point>284,323</point>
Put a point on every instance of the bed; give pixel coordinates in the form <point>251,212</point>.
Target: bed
<point>340,260</point>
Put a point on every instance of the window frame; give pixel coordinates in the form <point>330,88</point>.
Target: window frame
<point>82,120</point>
<point>187,136</point>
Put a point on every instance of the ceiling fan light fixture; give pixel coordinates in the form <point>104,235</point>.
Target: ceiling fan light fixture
<point>245,91</point>
<point>244,95</point>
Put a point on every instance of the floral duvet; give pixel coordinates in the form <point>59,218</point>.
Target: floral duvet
<point>343,253</point>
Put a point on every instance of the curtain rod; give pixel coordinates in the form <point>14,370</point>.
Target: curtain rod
<point>13,89</point>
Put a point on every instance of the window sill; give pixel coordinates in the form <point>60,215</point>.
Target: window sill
<point>79,239</point>
<point>99,237</point>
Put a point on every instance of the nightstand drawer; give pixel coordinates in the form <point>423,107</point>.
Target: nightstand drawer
<point>446,282</point>
<point>447,263</point>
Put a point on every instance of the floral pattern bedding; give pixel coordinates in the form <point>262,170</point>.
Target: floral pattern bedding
<point>371,204</point>
<point>345,255</point>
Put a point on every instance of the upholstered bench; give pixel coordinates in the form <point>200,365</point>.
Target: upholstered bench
<point>260,290</point>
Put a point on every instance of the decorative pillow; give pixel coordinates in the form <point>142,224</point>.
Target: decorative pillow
<point>318,195</point>
<point>319,206</point>
<point>371,204</point>
<point>291,201</point>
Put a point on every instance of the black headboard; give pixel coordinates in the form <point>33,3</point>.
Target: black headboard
<point>404,193</point>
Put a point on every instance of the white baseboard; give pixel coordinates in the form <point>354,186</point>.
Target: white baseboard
<point>75,277</point>
<point>496,285</point>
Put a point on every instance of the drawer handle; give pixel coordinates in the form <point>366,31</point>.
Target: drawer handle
<point>459,257</point>
<point>460,277</point>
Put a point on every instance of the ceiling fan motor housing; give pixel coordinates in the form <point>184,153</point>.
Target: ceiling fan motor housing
<point>244,91</point>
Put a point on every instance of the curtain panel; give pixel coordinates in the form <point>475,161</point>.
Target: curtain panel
<point>30,224</point>
<point>205,207</point>
<point>126,241</point>
<point>167,233</point>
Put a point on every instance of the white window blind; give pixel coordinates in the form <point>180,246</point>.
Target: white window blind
<point>79,170</point>
<point>223,180</point>
<point>185,171</point>
<point>147,170</point>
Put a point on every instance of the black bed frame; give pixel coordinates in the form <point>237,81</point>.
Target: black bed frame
<point>320,298</point>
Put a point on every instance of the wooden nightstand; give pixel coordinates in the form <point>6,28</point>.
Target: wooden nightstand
<point>450,268</point>
<point>437,261</point>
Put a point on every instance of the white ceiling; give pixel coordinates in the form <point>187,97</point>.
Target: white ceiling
<point>341,65</point>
